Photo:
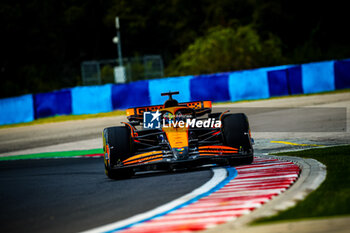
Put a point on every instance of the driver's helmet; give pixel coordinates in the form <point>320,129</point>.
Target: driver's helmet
<point>168,117</point>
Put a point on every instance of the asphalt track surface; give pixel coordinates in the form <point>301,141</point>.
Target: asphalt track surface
<point>70,195</point>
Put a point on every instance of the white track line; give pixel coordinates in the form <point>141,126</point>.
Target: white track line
<point>252,186</point>
<point>219,175</point>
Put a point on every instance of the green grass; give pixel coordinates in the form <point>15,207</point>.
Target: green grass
<point>62,154</point>
<point>332,198</point>
<point>122,112</point>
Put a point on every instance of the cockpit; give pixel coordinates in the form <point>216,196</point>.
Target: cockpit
<point>181,114</point>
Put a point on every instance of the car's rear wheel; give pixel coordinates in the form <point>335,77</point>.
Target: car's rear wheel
<point>117,147</point>
<point>236,134</point>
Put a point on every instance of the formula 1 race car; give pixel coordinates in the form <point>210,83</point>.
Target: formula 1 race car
<point>173,136</point>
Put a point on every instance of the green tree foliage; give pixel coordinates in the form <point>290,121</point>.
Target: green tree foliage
<point>43,42</point>
<point>227,49</point>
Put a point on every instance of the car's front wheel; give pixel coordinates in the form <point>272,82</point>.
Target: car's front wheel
<point>117,147</point>
<point>236,134</point>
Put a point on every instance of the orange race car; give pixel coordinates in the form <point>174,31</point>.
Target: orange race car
<point>172,136</point>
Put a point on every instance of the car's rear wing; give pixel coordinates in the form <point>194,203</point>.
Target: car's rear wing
<point>200,107</point>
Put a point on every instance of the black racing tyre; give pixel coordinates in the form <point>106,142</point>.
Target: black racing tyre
<point>117,147</point>
<point>241,161</point>
<point>236,134</point>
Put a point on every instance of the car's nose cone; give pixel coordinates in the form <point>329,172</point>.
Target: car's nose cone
<point>180,153</point>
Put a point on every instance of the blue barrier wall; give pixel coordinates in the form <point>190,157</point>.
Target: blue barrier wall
<point>157,86</point>
<point>91,99</point>
<point>285,81</point>
<point>130,95</point>
<point>250,84</point>
<point>294,80</point>
<point>318,77</point>
<point>232,86</point>
<point>16,110</point>
<point>212,87</point>
<point>278,82</point>
<point>53,103</point>
<point>342,74</point>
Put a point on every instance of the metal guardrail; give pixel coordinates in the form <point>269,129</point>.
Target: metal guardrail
<point>136,68</point>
